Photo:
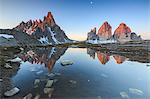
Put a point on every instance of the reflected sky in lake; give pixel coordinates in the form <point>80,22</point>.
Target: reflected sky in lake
<point>95,74</point>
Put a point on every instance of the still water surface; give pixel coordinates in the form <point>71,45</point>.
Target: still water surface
<point>94,74</point>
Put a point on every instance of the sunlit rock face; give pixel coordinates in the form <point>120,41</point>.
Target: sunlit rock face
<point>103,58</point>
<point>31,26</point>
<point>105,31</point>
<point>122,29</point>
<point>119,59</point>
<point>92,35</point>
<point>45,31</point>
<point>123,34</point>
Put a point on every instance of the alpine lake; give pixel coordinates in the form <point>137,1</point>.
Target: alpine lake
<point>72,72</point>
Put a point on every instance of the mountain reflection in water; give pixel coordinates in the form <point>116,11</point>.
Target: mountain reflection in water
<point>105,57</point>
<point>84,79</point>
<point>46,56</point>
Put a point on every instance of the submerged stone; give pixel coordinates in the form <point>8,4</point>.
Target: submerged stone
<point>39,72</point>
<point>48,91</point>
<point>66,62</point>
<point>8,66</point>
<point>49,83</point>
<point>37,96</point>
<point>37,81</point>
<point>51,74</point>
<point>104,75</point>
<point>57,74</point>
<point>1,80</point>
<point>124,95</point>
<point>29,96</point>
<point>73,81</point>
<point>136,91</point>
<point>12,92</point>
<point>99,97</point>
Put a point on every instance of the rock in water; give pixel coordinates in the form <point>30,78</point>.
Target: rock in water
<point>29,96</point>
<point>49,83</point>
<point>37,96</point>
<point>73,81</point>
<point>12,92</point>
<point>136,91</point>
<point>1,80</point>
<point>39,72</point>
<point>66,62</point>
<point>37,81</point>
<point>51,74</point>
<point>48,91</point>
<point>8,66</point>
<point>124,95</point>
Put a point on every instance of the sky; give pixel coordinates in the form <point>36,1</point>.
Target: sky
<point>78,17</point>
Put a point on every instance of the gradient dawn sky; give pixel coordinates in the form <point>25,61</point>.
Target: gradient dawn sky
<point>77,17</point>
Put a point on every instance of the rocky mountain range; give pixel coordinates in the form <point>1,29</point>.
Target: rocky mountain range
<point>44,31</point>
<point>122,34</point>
<point>47,32</point>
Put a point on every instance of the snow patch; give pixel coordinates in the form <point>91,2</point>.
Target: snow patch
<point>101,41</point>
<point>124,95</point>
<point>6,36</point>
<point>53,36</point>
<point>67,41</point>
<point>29,31</point>
<point>44,40</point>
<point>136,91</point>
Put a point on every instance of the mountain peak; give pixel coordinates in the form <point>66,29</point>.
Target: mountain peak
<point>45,30</point>
<point>105,22</point>
<point>123,24</point>
<point>49,14</point>
<point>49,19</point>
<point>105,30</point>
<point>122,29</point>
